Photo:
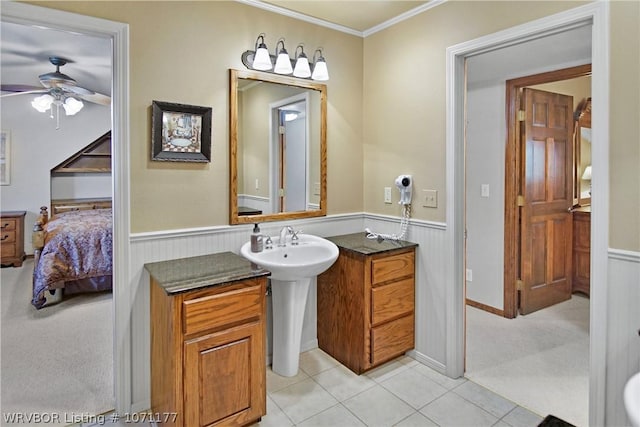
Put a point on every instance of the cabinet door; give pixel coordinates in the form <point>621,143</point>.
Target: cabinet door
<point>225,377</point>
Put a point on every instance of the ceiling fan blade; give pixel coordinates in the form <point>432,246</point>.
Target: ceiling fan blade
<point>97,98</point>
<point>5,95</point>
<point>19,88</point>
<point>75,89</point>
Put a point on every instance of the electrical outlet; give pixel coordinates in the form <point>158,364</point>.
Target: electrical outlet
<point>257,184</point>
<point>484,190</point>
<point>430,198</point>
<point>387,194</point>
<point>316,189</point>
<point>469,275</point>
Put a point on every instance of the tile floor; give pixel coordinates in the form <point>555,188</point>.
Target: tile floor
<point>400,393</point>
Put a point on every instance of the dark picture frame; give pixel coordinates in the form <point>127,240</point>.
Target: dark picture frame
<point>180,133</point>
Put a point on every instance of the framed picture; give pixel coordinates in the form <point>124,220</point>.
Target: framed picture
<point>180,133</point>
<point>5,157</point>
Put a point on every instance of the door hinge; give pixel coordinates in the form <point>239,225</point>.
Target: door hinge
<point>281,130</point>
<point>519,284</point>
<point>520,200</point>
<point>521,116</point>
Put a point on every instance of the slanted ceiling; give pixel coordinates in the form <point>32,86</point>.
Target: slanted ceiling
<point>94,158</point>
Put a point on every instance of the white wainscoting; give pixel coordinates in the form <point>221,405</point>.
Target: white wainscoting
<point>623,327</point>
<point>162,246</point>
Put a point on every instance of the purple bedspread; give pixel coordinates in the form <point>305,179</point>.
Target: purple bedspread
<point>77,245</point>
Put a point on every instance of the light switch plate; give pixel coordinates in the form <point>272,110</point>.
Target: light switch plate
<point>430,198</point>
<point>387,194</point>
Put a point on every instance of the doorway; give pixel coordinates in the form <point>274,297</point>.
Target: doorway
<point>117,33</point>
<point>596,15</point>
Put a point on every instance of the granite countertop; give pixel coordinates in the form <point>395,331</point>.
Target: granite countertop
<point>186,274</point>
<point>360,244</point>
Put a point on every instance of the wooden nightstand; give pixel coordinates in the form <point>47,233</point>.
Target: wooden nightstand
<point>12,238</point>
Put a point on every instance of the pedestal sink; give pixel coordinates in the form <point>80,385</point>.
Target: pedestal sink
<point>292,268</point>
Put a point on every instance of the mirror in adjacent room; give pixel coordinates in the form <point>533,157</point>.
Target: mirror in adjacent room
<point>582,153</point>
<point>277,147</point>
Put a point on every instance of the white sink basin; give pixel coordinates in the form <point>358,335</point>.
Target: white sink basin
<point>632,399</point>
<point>310,257</point>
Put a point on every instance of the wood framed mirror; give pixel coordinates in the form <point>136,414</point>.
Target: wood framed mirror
<point>277,147</point>
<point>582,154</point>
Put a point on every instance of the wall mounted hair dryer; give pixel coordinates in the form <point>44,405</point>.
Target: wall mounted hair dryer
<point>405,185</point>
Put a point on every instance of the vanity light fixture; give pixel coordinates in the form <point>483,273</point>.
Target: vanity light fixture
<point>302,64</point>
<point>320,71</point>
<point>283,62</point>
<point>261,57</point>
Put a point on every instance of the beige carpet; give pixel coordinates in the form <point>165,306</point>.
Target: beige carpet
<point>58,359</point>
<point>539,361</point>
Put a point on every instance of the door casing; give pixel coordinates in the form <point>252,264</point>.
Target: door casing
<point>595,14</point>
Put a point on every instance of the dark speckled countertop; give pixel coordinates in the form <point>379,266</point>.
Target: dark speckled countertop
<point>360,244</point>
<point>187,274</point>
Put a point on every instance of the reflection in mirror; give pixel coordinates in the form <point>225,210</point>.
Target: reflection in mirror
<point>582,150</point>
<point>277,147</point>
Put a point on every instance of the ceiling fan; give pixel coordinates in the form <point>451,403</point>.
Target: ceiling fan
<point>58,90</point>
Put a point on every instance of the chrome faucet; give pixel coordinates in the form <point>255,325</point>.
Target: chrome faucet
<point>287,229</point>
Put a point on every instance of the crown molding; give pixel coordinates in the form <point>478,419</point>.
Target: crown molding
<point>302,17</point>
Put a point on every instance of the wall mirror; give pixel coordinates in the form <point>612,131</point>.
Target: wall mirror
<point>278,151</point>
<point>582,154</point>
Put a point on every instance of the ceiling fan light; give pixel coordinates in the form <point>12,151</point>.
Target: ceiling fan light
<point>72,106</point>
<point>42,103</point>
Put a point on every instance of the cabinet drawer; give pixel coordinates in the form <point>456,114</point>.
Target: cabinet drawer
<point>7,237</point>
<point>8,224</point>
<point>392,339</point>
<point>392,300</point>
<point>220,309</point>
<point>392,267</point>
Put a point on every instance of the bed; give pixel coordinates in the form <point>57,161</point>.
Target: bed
<point>73,252</point>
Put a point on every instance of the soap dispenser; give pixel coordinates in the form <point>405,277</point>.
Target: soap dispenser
<point>256,239</point>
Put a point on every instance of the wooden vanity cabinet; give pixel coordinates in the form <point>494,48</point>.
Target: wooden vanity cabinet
<point>208,363</point>
<point>366,307</point>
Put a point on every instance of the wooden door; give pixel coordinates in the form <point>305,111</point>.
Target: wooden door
<point>546,227</point>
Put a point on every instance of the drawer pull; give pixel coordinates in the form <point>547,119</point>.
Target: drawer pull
<point>5,237</point>
<point>5,225</point>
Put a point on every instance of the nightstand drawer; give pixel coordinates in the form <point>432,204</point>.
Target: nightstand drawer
<point>7,237</point>
<point>229,307</point>
<point>8,224</point>
<point>392,300</point>
<point>392,267</point>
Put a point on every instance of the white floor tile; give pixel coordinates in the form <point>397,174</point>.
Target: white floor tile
<point>335,416</point>
<point>521,417</point>
<point>315,361</point>
<point>414,389</point>
<point>342,383</point>
<point>455,411</point>
<point>378,407</point>
<point>386,371</point>
<point>303,400</point>
<point>277,382</point>
<point>416,420</point>
<point>443,380</point>
<point>486,399</point>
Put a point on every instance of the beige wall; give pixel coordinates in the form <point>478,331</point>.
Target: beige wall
<point>180,52</point>
<point>404,104</point>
